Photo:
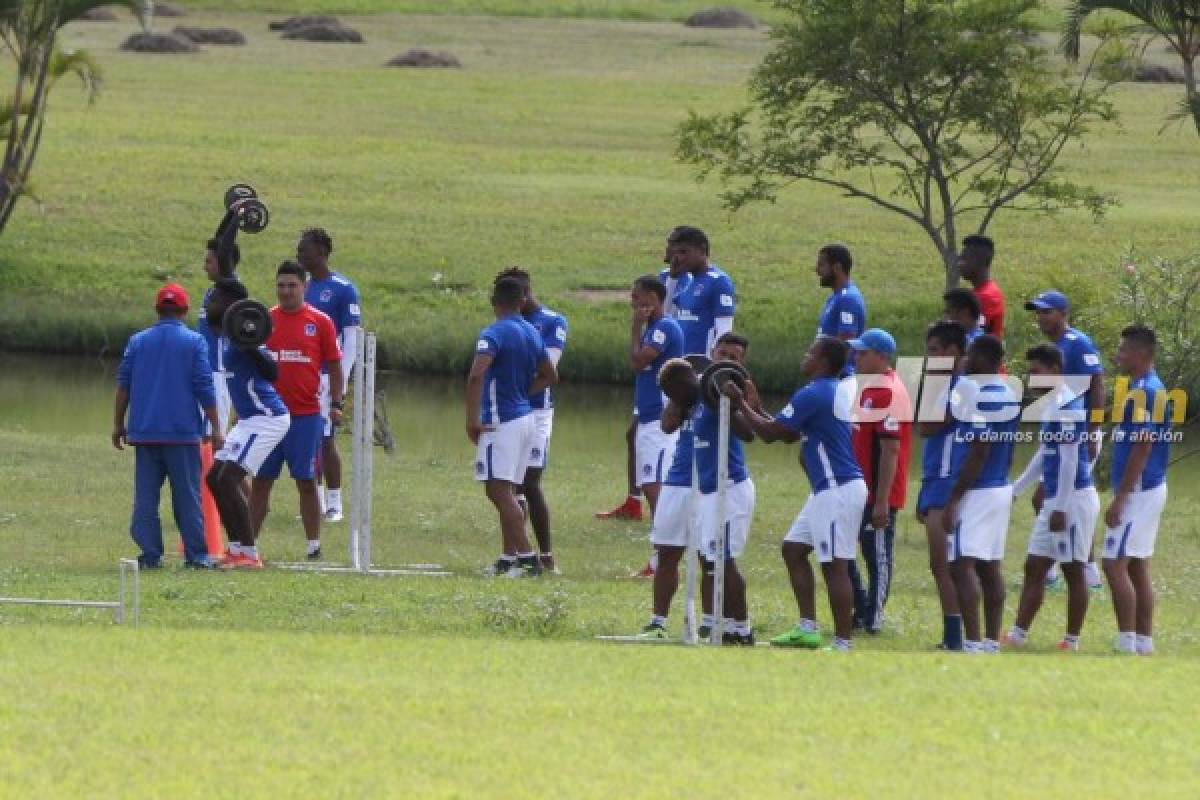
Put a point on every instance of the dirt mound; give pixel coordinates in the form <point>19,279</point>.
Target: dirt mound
<point>1153,73</point>
<point>168,10</point>
<point>721,18</point>
<point>324,32</point>
<point>292,23</point>
<point>159,43</point>
<point>226,36</point>
<point>101,14</point>
<point>425,58</point>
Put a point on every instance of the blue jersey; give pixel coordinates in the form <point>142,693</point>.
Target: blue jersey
<point>680,473</point>
<point>675,286</point>
<point>974,334</point>
<point>705,425</point>
<point>821,414</point>
<point>1080,356</point>
<point>993,400</point>
<point>844,315</point>
<point>1140,422</point>
<point>517,350</point>
<point>666,338</point>
<point>552,327</point>
<point>1064,443</point>
<point>250,394</point>
<point>337,298</point>
<point>937,456</point>
<point>707,297</point>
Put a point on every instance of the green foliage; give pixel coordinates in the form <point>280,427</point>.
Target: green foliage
<point>942,112</point>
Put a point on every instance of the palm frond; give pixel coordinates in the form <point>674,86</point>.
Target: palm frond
<point>80,64</point>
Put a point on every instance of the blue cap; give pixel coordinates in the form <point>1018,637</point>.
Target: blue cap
<point>1047,301</point>
<point>875,339</point>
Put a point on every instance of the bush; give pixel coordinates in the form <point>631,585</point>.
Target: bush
<point>324,33</point>
<point>424,58</point>
<point>222,36</point>
<point>159,43</point>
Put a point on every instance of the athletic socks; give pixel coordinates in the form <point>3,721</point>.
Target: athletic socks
<point>1144,645</point>
<point>708,620</point>
<point>844,645</point>
<point>808,626</point>
<point>250,552</point>
<point>952,636</point>
<point>1069,642</point>
<point>333,498</point>
<point>661,622</point>
<point>1093,575</point>
<point>972,647</point>
<point>313,546</point>
<point>1017,636</point>
<point>1127,642</point>
<point>990,646</point>
<point>741,627</point>
<point>1052,574</point>
<point>235,548</point>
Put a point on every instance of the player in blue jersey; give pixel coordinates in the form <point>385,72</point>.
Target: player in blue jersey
<point>263,421</point>
<point>1084,374</point>
<point>819,414</point>
<point>962,306</point>
<point>945,346</point>
<point>553,329</point>
<point>844,315</point>
<point>977,511</point>
<point>510,365</point>
<point>333,294</point>
<point>705,307</point>
<point>219,262</point>
<point>1144,411</point>
<point>1066,521</point>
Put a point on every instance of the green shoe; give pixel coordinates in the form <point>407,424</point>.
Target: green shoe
<point>653,631</point>
<point>798,638</point>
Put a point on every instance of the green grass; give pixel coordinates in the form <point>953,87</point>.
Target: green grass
<point>552,149</point>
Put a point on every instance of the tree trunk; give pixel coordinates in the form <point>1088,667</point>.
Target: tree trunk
<point>1189,79</point>
<point>950,260</point>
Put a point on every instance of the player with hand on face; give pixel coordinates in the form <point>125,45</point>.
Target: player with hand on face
<point>819,414</point>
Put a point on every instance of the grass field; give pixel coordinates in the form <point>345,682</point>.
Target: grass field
<point>551,148</point>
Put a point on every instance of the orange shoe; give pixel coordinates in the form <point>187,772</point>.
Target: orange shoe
<point>630,509</point>
<point>241,561</point>
<point>1067,647</point>
<point>645,572</point>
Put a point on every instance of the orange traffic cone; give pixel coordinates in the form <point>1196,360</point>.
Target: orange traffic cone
<point>208,506</point>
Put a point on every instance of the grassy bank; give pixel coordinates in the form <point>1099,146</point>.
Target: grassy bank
<point>552,148</point>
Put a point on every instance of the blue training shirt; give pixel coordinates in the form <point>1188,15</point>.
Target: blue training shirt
<point>993,400</point>
<point>675,286</point>
<point>1144,422</point>
<point>680,473</point>
<point>665,336</point>
<point>706,426</point>
<point>517,350</point>
<point>250,394</point>
<point>337,298</point>
<point>1080,356</point>
<point>844,314</point>
<point>166,371</point>
<point>707,297</point>
<point>936,457</point>
<point>1065,439</point>
<point>552,327</point>
<point>821,414</point>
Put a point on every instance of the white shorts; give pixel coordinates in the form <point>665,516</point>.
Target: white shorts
<point>982,527</point>
<point>674,518</point>
<point>543,428</point>
<point>739,511</point>
<point>224,405</point>
<point>830,520</point>
<point>252,440</point>
<point>1135,536</point>
<point>653,452</point>
<point>1074,543</point>
<point>325,402</point>
<point>503,452</point>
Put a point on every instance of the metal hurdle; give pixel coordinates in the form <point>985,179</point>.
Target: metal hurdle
<point>126,566</point>
<point>362,459</point>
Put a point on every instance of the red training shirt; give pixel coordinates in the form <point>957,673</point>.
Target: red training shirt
<point>301,341</point>
<point>991,304</point>
<point>892,395</point>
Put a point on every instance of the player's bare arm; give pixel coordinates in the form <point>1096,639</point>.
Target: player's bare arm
<point>474,398</point>
<point>763,426</point>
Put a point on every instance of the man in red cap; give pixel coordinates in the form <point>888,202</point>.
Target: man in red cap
<point>164,381</point>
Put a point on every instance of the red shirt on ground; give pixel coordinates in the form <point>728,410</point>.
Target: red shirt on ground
<point>991,304</point>
<point>301,342</point>
<point>868,430</point>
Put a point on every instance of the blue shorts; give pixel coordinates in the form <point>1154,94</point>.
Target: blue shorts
<point>934,493</point>
<point>299,448</point>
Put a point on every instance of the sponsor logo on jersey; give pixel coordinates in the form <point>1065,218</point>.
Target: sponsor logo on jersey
<point>326,295</point>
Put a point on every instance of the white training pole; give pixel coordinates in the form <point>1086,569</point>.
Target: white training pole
<point>356,453</point>
<point>689,552</point>
<point>722,533</point>
<point>368,452</point>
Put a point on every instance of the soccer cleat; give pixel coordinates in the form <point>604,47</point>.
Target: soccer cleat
<point>704,632</point>
<point>630,509</point>
<point>242,561</point>
<point>531,569</point>
<point>145,563</point>
<point>735,639</point>
<point>1067,647</point>
<point>501,566</point>
<point>645,572</point>
<point>1009,641</point>
<point>203,562</point>
<point>653,632</point>
<point>314,555</point>
<point>334,514</point>
<point>797,637</point>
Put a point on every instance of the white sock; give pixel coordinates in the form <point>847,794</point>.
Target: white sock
<point>991,646</point>
<point>742,627</point>
<point>1017,635</point>
<point>321,499</point>
<point>1127,642</point>
<point>661,622</point>
<point>709,620</point>
<point>333,498</point>
<point>808,625</point>
<point>1093,574</point>
<point>1144,645</point>
<point>250,552</point>
<point>844,645</point>
<point>313,546</point>
<point>1052,575</point>
<point>972,647</point>
<point>1071,642</point>
<point>654,560</point>
<point>235,548</point>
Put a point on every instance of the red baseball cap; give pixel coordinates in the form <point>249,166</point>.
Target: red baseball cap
<point>172,295</point>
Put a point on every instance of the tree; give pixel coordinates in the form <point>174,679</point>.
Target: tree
<point>1176,21</point>
<point>29,31</point>
<point>941,111</point>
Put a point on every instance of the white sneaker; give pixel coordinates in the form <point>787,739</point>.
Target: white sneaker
<point>334,514</point>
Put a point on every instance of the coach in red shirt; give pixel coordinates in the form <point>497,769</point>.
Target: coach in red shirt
<point>303,339</point>
<point>882,439</point>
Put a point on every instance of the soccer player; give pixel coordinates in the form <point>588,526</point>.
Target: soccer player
<point>705,308</point>
<point>552,326</point>
<point>164,381</point>
<point>262,423</point>
<point>975,267</point>
<point>219,262</point>
<point>334,294</point>
<point>510,365</point>
<point>1066,521</point>
<point>1141,446</point>
<point>844,315</point>
<point>654,339</point>
<point>882,439</point>
<point>303,343</point>
<point>962,306</point>
<point>945,346</point>
<point>819,413</point>
<point>977,511</point>
<point>1081,363</point>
